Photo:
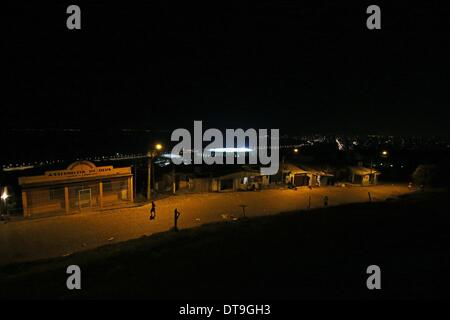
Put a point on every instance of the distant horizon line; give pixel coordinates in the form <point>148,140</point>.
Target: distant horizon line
<point>282,131</point>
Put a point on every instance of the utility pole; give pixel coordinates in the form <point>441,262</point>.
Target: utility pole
<point>151,154</point>
<point>282,169</point>
<point>149,176</point>
<point>135,180</point>
<point>154,179</point>
<point>174,184</point>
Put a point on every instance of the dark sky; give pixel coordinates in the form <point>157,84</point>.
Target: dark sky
<point>311,67</point>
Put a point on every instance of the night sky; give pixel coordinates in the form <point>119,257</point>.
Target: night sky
<point>311,67</point>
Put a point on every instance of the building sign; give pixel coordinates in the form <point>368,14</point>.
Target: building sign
<point>80,169</point>
<point>77,170</point>
<point>80,172</point>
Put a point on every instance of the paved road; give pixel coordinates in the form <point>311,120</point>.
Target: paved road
<point>57,236</point>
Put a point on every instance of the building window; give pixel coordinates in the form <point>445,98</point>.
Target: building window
<point>55,194</point>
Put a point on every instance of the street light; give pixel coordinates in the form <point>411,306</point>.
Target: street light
<point>384,153</point>
<point>151,154</point>
<point>295,150</point>
<point>4,197</point>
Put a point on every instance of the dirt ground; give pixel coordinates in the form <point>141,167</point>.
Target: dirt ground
<point>28,240</point>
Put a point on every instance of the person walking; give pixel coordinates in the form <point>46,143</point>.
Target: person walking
<point>325,201</point>
<point>4,217</point>
<point>176,216</point>
<point>153,211</point>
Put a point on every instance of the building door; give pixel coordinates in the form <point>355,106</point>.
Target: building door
<point>301,180</point>
<point>226,184</point>
<point>84,198</point>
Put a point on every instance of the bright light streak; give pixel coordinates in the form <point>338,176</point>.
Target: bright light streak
<point>171,156</point>
<point>340,145</point>
<point>228,150</point>
<point>5,195</point>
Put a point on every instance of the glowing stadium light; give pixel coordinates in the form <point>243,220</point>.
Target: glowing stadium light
<point>228,150</point>
<point>170,155</point>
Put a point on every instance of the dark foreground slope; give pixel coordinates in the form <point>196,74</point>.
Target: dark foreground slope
<point>321,253</point>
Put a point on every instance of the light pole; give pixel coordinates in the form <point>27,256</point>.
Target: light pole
<point>282,180</point>
<point>384,154</point>
<point>151,154</point>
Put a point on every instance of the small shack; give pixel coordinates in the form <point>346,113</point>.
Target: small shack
<point>363,176</point>
<point>237,181</point>
<point>305,176</point>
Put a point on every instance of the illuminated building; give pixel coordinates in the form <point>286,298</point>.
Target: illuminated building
<point>82,186</point>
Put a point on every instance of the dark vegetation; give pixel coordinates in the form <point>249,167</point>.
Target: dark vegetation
<point>432,175</point>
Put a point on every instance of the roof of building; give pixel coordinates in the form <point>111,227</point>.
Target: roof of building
<point>241,174</point>
<point>289,167</point>
<point>362,171</point>
<point>316,169</point>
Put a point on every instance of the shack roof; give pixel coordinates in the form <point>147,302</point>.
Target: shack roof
<point>362,171</point>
